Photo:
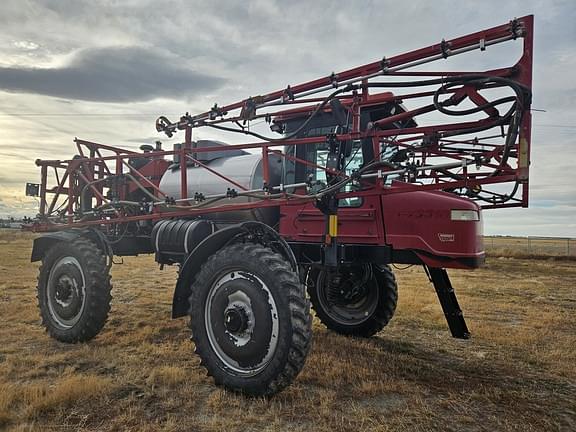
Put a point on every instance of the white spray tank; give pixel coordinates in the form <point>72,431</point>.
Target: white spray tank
<point>238,165</point>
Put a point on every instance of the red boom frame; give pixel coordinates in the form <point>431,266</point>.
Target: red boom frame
<point>463,157</point>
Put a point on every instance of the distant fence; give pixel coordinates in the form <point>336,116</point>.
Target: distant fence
<point>553,246</point>
<point>11,225</point>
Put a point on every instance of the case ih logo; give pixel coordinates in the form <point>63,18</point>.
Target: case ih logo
<point>446,237</point>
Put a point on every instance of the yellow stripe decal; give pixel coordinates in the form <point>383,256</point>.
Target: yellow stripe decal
<point>333,226</point>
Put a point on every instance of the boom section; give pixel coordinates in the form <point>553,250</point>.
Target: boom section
<point>465,132</point>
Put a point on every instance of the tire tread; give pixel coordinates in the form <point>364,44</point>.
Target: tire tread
<point>98,291</point>
<point>285,370</point>
<point>388,292</point>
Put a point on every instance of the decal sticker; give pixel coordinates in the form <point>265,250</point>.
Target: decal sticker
<point>446,237</point>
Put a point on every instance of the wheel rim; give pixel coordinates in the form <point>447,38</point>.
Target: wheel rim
<point>66,293</point>
<point>350,296</point>
<point>241,321</point>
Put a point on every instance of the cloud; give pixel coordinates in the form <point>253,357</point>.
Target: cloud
<point>112,74</point>
<point>14,155</point>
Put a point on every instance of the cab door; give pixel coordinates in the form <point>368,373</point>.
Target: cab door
<point>359,218</point>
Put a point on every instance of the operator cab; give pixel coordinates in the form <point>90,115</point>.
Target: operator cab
<point>335,119</point>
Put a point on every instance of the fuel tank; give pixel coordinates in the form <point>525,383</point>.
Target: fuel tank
<point>244,169</point>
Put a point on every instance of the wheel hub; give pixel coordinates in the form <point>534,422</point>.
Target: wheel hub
<point>241,322</point>
<point>66,292</point>
<point>347,287</point>
<point>236,320</point>
<point>348,296</point>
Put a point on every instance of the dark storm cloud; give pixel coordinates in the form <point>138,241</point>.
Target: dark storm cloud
<point>116,74</point>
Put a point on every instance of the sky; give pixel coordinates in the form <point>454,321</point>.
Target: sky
<point>105,70</point>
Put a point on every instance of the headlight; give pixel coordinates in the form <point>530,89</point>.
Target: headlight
<point>464,215</point>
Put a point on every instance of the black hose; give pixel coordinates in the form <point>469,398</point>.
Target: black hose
<point>514,114</point>
<point>482,81</point>
<point>326,100</point>
<point>478,108</point>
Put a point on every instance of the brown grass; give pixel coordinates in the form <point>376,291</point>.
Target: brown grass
<point>517,373</point>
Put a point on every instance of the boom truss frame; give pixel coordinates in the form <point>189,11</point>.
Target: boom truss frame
<point>463,157</point>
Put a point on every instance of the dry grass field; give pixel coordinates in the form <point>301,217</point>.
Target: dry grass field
<point>531,247</point>
<point>517,373</point>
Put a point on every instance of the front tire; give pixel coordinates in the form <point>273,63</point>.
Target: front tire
<point>356,300</point>
<point>250,319</point>
<point>74,291</point>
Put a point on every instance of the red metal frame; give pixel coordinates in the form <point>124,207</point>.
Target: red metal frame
<point>99,164</point>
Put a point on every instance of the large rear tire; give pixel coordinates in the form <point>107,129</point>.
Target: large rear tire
<point>250,319</point>
<point>74,291</point>
<point>356,300</point>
